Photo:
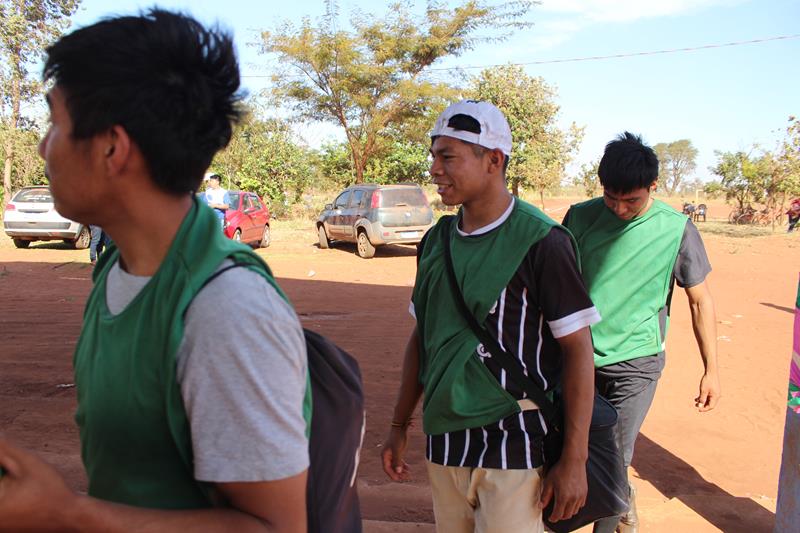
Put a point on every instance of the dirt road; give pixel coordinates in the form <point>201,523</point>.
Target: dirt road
<point>696,472</point>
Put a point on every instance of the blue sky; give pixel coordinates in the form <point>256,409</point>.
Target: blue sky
<point>726,98</point>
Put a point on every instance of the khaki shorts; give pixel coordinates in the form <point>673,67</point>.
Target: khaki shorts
<point>485,500</point>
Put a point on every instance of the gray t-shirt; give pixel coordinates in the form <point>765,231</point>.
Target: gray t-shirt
<point>242,372</point>
<point>691,268</point>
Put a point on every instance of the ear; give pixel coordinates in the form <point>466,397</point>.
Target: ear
<point>654,186</point>
<point>117,149</point>
<point>496,160</point>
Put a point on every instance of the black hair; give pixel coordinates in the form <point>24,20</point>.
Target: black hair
<point>464,122</point>
<point>627,164</point>
<point>168,81</point>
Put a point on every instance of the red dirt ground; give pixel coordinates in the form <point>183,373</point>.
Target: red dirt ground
<point>695,472</point>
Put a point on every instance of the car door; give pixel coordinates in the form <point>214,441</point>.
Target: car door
<point>252,231</point>
<point>350,214</point>
<point>335,221</point>
<point>259,215</point>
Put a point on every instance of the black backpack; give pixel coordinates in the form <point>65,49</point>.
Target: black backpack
<point>337,431</point>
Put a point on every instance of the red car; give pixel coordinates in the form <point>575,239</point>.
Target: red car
<point>247,219</point>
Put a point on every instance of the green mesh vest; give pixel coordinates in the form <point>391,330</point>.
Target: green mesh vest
<point>135,436</point>
<point>627,267</point>
<point>460,392</point>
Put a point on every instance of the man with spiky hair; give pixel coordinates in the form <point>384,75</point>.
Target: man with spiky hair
<point>192,406</point>
<point>633,248</point>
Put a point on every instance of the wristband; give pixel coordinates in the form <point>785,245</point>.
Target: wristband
<point>402,424</point>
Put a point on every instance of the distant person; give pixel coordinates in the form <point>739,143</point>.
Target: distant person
<point>633,248</point>
<point>518,272</point>
<point>98,243</point>
<point>216,197</point>
<point>787,514</point>
<point>192,405</point>
<point>794,214</point>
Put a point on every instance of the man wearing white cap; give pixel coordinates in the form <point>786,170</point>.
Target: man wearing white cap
<point>517,271</point>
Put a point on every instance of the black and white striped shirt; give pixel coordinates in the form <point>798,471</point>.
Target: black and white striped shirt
<point>545,299</point>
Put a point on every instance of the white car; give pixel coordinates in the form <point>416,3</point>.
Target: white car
<point>30,216</point>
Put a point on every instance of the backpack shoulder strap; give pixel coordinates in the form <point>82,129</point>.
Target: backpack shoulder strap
<point>510,364</point>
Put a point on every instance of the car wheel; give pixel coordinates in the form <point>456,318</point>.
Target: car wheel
<point>265,237</point>
<point>83,240</point>
<point>324,243</point>
<point>21,243</point>
<point>237,235</point>
<point>365,248</point>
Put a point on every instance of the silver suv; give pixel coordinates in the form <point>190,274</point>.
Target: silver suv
<point>372,215</point>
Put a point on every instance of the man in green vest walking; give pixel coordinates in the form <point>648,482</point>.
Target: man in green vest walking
<point>191,377</point>
<point>633,248</point>
<point>518,273</point>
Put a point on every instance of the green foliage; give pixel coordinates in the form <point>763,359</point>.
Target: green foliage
<point>28,166</point>
<point>789,159</point>
<point>767,178</point>
<point>335,164</point>
<point>541,149</point>
<point>264,158</point>
<point>375,78</point>
<point>676,161</point>
<point>26,28</point>
<point>714,189</point>
<point>402,161</point>
<point>588,180</point>
<point>736,172</point>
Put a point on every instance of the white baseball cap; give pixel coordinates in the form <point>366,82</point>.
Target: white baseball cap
<point>494,129</point>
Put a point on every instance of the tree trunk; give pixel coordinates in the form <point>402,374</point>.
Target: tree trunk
<point>541,198</point>
<point>16,101</point>
<point>359,168</point>
<point>9,158</point>
<point>515,188</point>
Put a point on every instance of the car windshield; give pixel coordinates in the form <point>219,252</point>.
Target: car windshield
<point>34,196</point>
<point>234,203</point>
<point>405,196</point>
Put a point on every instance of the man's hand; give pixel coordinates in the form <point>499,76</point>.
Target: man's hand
<point>392,454</point>
<point>709,393</point>
<point>32,493</point>
<point>566,482</point>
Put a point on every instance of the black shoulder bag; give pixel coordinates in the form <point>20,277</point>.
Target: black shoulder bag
<point>607,481</point>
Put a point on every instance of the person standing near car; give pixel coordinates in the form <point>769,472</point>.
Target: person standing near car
<point>179,431</point>
<point>633,248</point>
<point>98,243</point>
<point>518,272</point>
<point>216,197</point>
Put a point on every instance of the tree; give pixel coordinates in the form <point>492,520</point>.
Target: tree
<point>335,164</point>
<point>26,28</point>
<point>541,149</point>
<point>587,178</point>
<point>676,161</point>
<point>377,77</point>
<point>403,161</point>
<point>789,160</point>
<point>263,157</point>
<point>736,172</point>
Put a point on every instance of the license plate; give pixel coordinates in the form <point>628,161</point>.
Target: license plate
<point>408,234</point>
